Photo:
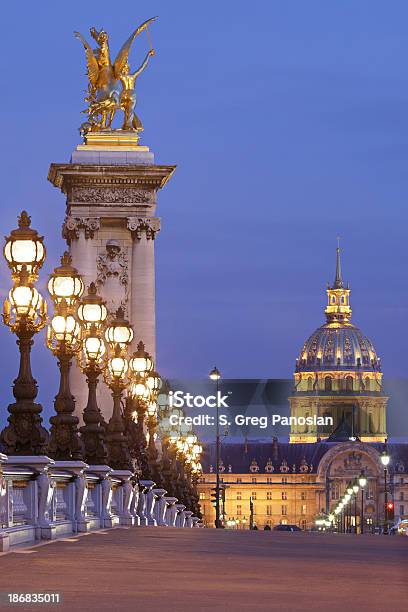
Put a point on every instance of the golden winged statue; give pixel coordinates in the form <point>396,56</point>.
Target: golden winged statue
<point>111,87</point>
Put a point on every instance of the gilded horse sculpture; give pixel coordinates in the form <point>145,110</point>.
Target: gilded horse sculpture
<point>105,78</point>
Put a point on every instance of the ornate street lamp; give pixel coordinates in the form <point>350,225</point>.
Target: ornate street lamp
<point>24,247</point>
<point>385,460</point>
<point>215,375</point>
<point>118,334</point>
<point>92,312</point>
<point>138,396</point>
<point>141,362</point>
<point>25,313</point>
<point>64,340</point>
<point>65,283</point>
<point>65,287</point>
<point>362,481</point>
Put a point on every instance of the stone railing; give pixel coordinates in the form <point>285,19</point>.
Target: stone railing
<point>42,499</point>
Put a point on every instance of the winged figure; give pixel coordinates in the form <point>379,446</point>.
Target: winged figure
<point>111,86</point>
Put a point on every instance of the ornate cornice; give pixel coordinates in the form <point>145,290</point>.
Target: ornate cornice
<point>149,225</point>
<point>67,176</point>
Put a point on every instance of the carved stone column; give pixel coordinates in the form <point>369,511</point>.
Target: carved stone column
<point>143,296</point>
<point>108,186</point>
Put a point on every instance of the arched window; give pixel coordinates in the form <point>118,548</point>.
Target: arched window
<point>333,299</point>
<point>328,383</point>
<point>349,383</point>
<point>310,383</point>
<point>343,299</point>
<point>367,384</point>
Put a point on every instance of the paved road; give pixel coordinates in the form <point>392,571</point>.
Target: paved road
<point>191,570</point>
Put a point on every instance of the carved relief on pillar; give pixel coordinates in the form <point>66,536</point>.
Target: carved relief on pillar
<point>113,276</point>
<point>149,225</point>
<point>72,226</point>
<point>112,195</point>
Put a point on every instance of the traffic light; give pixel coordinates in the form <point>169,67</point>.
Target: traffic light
<point>390,510</point>
<point>214,497</point>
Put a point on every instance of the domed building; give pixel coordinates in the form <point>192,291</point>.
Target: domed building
<point>338,379</point>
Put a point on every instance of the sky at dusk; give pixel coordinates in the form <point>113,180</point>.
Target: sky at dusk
<point>288,123</point>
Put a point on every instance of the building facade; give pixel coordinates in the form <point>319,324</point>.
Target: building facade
<point>338,374</point>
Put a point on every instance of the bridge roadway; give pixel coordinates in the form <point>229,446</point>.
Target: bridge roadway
<point>180,570</point>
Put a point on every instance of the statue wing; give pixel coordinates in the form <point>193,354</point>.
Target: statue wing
<point>122,56</point>
<point>92,64</point>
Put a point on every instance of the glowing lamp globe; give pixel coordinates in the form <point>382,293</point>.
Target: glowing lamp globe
<point>141,363</point>
<point>118,367</point>
<point>153,381</point>
<point>94,348</point>
<point>119,332</point>
<point>65,328</point>
<point>24,247</point>
<point>92,309</point>
<point>215,374</point>
<point>65,282</point>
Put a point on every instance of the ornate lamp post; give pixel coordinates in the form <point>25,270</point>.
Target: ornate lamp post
<point>215,375</point>
<point>140,365</point>
<point>348,497</point>
<point>118,335</point>
<point>152,453</point>
<point>64,340</point>
<point>356,488</point>
<point>25,313</point>
<point>92,313</point>
<point>385,459</point>
<point>362,481</point>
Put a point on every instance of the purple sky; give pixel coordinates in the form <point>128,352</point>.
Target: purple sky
<point>289,126</point>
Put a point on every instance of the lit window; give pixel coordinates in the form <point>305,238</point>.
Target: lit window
<point>303,509</point>
<point>202,495</point>
<point>284,521</point>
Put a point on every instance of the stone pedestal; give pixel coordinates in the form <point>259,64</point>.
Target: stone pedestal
<point>126,490</point>
<point>160,507</point>
<point>171,512</point>
<point>189,520</point>
<point>79,521</point>
<point>149,501</point>
<point>111,189</point>
<point>181,517</point>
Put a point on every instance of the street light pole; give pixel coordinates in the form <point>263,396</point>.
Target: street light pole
<point>362,481</point>
<point>356,487</point>
<point>385,459</point>
<point>216,375</point>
